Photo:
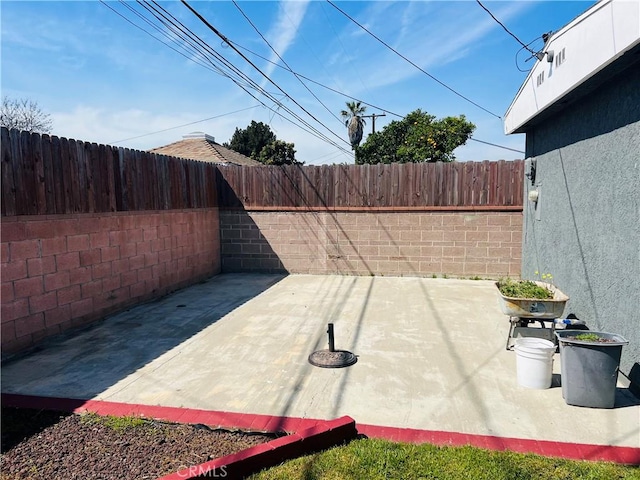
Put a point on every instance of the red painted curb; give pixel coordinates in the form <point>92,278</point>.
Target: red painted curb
<point>238,465</point>
<point>212,418</point>
<point>573,451</point>
<point>310,435</point>
<point>230,420</point>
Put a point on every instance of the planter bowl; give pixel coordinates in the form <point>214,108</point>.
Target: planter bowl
<point>589,369</point>
<point>613,339</point>
<point>534,307</point>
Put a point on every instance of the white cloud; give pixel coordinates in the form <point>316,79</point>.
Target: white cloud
<point>39,31</point>
<point>430,34</point>
<point>102,125</point>
<point>284,31</point>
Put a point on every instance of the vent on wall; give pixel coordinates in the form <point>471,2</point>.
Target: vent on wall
<point>540,79</point>
<point>560,58</point>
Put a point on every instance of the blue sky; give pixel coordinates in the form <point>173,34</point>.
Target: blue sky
<point>104,80</point>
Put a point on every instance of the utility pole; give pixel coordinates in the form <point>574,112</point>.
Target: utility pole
<point>373,120</point>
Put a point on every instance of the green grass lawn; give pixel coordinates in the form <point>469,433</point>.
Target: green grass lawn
<point>371,459</point>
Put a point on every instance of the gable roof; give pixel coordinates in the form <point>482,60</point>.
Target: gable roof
<point>203,147</point>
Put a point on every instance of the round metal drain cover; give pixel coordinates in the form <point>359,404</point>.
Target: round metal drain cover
<point>332,359</point>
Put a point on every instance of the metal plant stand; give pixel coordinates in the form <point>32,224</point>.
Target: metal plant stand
<point>548,333</point>
<point>518,323</point>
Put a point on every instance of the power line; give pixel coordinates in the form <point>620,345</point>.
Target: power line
<point>346,54</point>
<point>505,28</point>
<point>201,49</point>
<point>318,83</point>
<point>183,125</point>
<point>224,38</point>
<point>196,51</point>
<point>518,53</point>
<point>233,73</point>
<point>298,76</point>
<point>496,145</point>
<point>283,61</point>
<point>146,20</point>
<point>197,44</point>
<point>261,90</point>
<point>188,37</point>
<point>184,33</point>
<point>412,63</point>
<point>326,157</point>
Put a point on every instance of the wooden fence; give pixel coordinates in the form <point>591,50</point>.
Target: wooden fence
<point>44,174</point>
<point>469,185</point>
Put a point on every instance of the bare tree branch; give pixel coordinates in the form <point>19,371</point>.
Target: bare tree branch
<point>24,114</point>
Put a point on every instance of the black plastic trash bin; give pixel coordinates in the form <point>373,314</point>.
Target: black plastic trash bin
<point>589,368</point>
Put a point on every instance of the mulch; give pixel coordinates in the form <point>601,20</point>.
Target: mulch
<point>40,444</point>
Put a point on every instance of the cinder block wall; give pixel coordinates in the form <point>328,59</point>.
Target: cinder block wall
<point>486,244</point>
<point>64,271</point>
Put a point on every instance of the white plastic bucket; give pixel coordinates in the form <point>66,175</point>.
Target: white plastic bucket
<point>534,360</point>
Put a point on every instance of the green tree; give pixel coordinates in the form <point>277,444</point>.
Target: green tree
<point>24,114</point>
<point>354,122</point>
<point>260,143</point>
<point>251,140</point>
<point>278,153</point>
<point>418,137</point>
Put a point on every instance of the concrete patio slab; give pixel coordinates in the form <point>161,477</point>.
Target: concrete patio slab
<point>431,355</point>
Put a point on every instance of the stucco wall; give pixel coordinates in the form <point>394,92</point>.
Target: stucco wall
<point>588,232</point>
<point>64,271</point>
<point>486,244</point>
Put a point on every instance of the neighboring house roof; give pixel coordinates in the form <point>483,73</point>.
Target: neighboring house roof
<point>203,147</point>
<point>575,60</point>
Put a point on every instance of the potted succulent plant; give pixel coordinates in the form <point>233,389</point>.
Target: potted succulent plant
<point>531,298</point>
<point>589,367</point>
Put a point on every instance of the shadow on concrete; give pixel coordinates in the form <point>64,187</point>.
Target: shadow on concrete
<point>335,305</point>
<point>625,398</point>
<point>21,423</point>
<point>83,364</point>
<point>634,379</point>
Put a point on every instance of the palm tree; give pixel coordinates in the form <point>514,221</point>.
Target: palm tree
<point>354,122</point>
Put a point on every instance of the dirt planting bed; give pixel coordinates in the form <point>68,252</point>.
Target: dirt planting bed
<point>39,444</point>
